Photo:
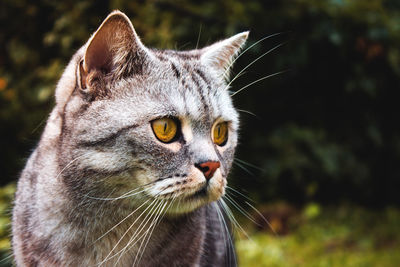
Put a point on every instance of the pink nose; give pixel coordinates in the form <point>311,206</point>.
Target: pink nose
<point>208,168</point>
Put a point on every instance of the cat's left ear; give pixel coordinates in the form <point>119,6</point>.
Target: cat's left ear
<point>114,50</point>
<point>220,55</point>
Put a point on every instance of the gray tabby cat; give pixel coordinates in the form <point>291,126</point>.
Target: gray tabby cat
<point>133,159</point>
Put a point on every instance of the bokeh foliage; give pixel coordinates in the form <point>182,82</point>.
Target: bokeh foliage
<point>333,237</point>
<point>326,130</point>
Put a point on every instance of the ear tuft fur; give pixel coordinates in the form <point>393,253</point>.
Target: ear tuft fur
<point>114,50</point>
<point>220,55</point>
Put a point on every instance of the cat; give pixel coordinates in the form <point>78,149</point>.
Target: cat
<point>133,159</point>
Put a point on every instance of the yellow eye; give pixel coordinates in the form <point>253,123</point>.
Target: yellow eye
<point>164,129</point>
<point>220,133</point>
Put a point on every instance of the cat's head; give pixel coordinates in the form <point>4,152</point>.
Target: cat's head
<point>144,124</point>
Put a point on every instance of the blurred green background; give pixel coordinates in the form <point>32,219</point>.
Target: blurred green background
<point>320,157</point>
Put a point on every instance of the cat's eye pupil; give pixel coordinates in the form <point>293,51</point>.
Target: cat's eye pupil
<point>165,129</point>
<point>220,133</point>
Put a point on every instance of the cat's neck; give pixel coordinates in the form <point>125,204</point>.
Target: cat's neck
<point>108,232</point>
<point>136,238</point>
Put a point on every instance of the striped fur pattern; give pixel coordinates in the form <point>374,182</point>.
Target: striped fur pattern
<point>100,189</point>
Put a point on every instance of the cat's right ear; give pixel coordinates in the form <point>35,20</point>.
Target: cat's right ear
<point>220,56</point>
<point>113,52</point>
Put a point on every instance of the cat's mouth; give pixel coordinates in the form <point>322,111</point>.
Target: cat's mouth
<point>201,193</point>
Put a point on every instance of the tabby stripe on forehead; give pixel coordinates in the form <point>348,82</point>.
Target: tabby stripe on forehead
<point>203,77</point>
<point>206,81</point>
<point>195,80</point>
<point>176,71</point>
<point>108,138</point>
<point>200,90</point>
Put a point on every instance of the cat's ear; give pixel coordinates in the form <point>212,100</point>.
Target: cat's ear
<point>220,55</point>
<point>114,50</point>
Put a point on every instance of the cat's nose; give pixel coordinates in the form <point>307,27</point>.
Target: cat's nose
<point>208,168</point>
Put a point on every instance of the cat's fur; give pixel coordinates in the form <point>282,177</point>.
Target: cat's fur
<point>98,145</point>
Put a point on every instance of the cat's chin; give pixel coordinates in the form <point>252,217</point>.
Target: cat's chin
<point>188,206</point>
<point>184,193</point>
<point>204,196</point>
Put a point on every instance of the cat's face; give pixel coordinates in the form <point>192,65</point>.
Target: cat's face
<point>143,124</point>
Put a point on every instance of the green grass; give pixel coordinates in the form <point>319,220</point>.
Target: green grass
<point>313,236</point>
<point>6,197</point>
<point>336,236</point>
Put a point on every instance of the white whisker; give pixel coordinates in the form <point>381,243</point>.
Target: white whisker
<point>258,80</point>
<point>254,61</point>
<point>2,261</point>
<point>198,37</point>
<point>151,229</point>
<point>68,165</point>
<point>129,215</point>
<point>145,234</point>
<point>125,195</point>
<point>227,233</point>
<point>236,191</point>
<point>249,164</point>
<point>248,48</point>
<point>242,167</point>
<point>138,231</point>
<point>240,209</point>
<point>119,241</point>
<point>246,111</point>
<point>262,216</point>
<point>233,219</point>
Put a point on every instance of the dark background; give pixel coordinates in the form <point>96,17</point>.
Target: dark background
<point>324,131</point>
<point>320,157</point>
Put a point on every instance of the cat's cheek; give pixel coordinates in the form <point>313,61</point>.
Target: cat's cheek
<point>173,147</point>
<point>195,180</point>
<point>104,160</point>
<point>231,143</point>
<point>144,177</point>
<point>217,186</point>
